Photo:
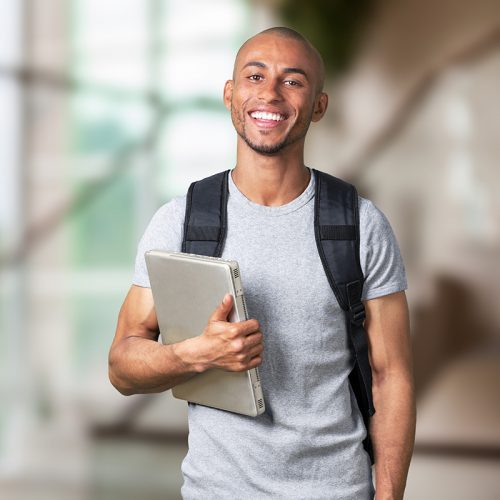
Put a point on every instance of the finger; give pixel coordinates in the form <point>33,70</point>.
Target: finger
<point>254,339</point>
<point>248,327</point>
<point>254,362</point>
<point>255,351</point>
<point>222,311</point>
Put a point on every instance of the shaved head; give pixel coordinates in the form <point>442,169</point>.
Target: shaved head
<point>288,33</point>
<point>276,92</point>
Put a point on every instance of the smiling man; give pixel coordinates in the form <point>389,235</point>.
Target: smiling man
<point>311,442</point>
<point>275,123</point>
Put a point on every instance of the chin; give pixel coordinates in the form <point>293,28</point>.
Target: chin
<point>267,149</point>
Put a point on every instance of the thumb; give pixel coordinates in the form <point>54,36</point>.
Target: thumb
<point>223,309</point>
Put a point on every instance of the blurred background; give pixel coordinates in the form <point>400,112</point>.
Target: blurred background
<point>109,108</point>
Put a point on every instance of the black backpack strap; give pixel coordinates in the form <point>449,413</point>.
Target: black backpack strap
<point>205,223</point>
<point>336,225</point>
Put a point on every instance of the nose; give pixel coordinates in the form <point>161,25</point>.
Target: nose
<point>270,91</point>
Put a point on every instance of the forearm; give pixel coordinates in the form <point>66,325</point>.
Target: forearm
<point>392,430</point>
<point>139,365</point>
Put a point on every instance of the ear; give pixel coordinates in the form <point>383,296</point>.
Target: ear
<point>320,107</point>
<point>228,93</point>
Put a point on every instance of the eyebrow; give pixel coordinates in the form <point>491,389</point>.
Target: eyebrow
<point>285,70</point>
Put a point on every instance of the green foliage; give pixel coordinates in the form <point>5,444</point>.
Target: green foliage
<point>333,26</point>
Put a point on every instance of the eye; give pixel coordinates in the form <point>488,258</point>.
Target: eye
<point>255,78</point>
<point>292,83</point>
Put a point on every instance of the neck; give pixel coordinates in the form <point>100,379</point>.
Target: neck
<point>270,180</point>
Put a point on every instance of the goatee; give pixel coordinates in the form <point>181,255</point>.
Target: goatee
<point>264,149</point>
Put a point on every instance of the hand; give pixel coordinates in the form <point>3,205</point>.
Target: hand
<point>230,346</point>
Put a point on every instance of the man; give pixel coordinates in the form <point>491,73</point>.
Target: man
<point>308,443</point>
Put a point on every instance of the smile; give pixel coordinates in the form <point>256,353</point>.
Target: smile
<point>263,115</point>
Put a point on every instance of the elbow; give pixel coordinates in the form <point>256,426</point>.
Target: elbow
<point>385,377</point>
<point>397,387</point>
<point>117,381</point>
<point>119,385</point>
<point>380,375</point>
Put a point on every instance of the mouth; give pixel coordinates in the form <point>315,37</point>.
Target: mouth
<point>267,119</point>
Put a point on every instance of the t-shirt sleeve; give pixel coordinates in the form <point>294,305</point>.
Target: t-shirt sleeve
<point>164,232</point>
<point>380,256</point>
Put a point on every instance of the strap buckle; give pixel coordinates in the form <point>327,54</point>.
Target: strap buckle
<point>357,313</point>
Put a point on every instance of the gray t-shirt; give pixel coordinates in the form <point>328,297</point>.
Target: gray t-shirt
<point>308,443</point>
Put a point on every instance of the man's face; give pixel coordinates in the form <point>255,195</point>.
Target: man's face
<point>275,93</point>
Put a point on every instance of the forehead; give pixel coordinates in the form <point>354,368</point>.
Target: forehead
<point>275,50</point>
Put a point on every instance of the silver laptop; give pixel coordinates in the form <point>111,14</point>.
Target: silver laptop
<point>186,290</point>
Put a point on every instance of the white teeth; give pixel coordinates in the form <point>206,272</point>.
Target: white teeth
<point>262,115</point>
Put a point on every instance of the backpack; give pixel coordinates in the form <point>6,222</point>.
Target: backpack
<point>336,225</point>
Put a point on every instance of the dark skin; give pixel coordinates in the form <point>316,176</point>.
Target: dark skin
<point>139,364</point>
<point>274,95</point>
<point>284,77</point>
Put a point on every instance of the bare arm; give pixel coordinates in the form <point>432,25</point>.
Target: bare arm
<point>392,428</point>
<point>139,364</point>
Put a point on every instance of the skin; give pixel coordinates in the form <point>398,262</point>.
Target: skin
<point>264,80</point>
<point>392,428</point>
<point>284,76</point>
<point>139,364</point>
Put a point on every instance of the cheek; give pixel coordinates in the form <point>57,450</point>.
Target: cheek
<point>239,104</point>
<point>236,113</point>
<point>307,109</point>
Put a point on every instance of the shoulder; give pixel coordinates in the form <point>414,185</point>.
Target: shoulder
<point>169,213</point>
<point>173,208</point>
<point>166,224</point>
<point>374,228</point>
<point>164,232</point>
<point>372,221</point>
<point>380,256</point>
<point>368,211</point>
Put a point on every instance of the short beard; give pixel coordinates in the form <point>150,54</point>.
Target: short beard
<point>270,150</point>
<point>262,149</point>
